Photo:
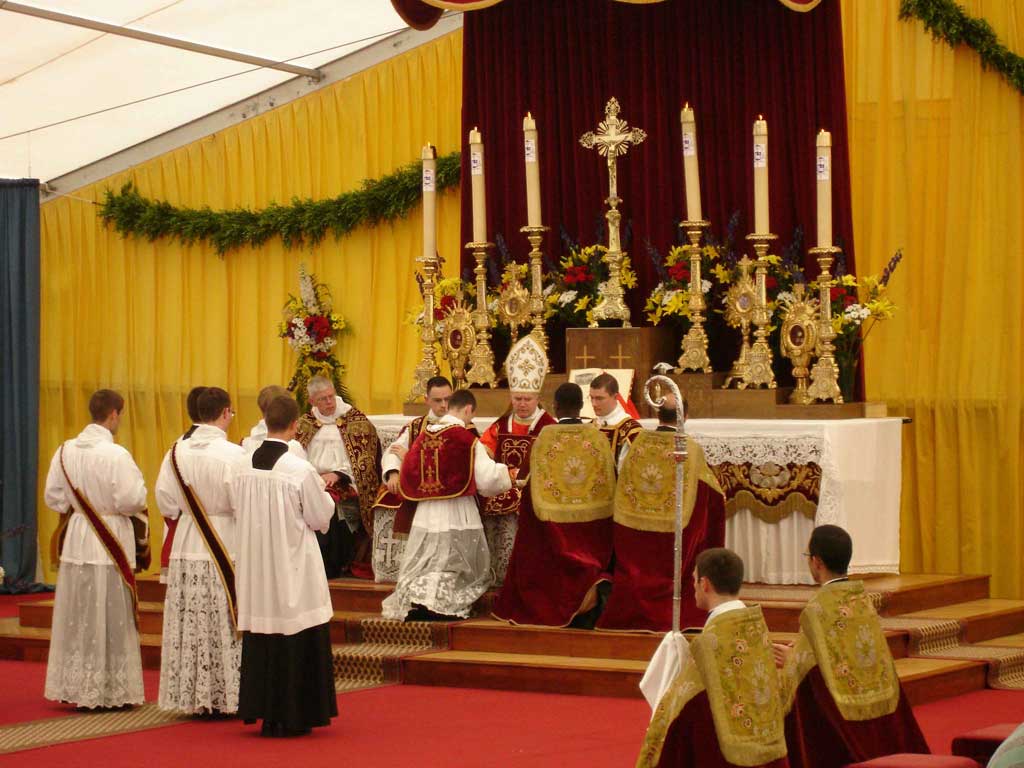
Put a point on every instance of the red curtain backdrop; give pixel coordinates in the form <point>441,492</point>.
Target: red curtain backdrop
<point>730,59</point>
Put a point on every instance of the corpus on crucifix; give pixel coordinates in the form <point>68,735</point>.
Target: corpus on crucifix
<point>612,140</point>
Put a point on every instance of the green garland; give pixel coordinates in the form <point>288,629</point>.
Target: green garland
<point>948,21</point>
<point>303,222</point>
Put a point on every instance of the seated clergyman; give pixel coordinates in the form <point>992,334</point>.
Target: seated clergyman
<point>843,698</point>
<point>716,701</point>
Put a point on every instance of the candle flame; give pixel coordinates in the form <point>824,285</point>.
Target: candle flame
<point>760,117</point>
<point>686,105</point>
<point>529,113</point>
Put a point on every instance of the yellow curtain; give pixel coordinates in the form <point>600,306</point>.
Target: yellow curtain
<point>152,320</point>
<point>936,165</point>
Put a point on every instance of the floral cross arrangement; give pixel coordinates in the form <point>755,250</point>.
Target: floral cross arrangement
<point>311,328</point>
<point>577,286</point>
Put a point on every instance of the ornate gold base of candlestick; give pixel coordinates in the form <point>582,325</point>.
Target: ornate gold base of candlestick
<point>481,359</point>
<point>612,304</point>
<point>825,373</point>
<point>536,235</point>
<point>427,366</point>
<point>759,361</point>
<point>739,371</point>
<point>695,343</point>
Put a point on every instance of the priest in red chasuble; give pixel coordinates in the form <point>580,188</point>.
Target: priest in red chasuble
<point>564,542</point>
<point>716,699</point>
<point>844,700</point>
<point>509,439</point>
<point>644,530</point>
<point>343,446</point>
<point>612,418</point>
<point>446,565</point>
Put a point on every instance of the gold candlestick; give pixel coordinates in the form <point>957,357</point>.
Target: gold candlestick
<point>535,235</point>
<point>825,373</point>
<point>759,361</point>
<point>612,140</point>
<point>740,302</point>
<point>427,366</point>
<point>481,370</point>
<point>695,343</point>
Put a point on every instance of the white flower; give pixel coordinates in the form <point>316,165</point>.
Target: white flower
<point>492,307</point>
<point>667,297</point>
<point>705,286</point>
<point>856,313</point>
<point>548,289</point>
<point>307,292</point>
<point>784,297</point>
<point>567,298</point>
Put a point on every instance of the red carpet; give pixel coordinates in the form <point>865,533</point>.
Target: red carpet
<point>9,603</point>
<point>21,692</point>
<point>423,727</point>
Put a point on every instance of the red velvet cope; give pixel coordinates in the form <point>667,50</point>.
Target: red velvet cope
<point>439,465</point>
<point>691,741</point>
<point>552,568</point>
<point>818,736</point>
<point>641,596</point>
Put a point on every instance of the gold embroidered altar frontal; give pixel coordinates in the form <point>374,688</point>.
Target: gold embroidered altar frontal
<point>772,492</point>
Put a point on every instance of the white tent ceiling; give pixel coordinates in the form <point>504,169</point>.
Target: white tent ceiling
<point>50,72</point>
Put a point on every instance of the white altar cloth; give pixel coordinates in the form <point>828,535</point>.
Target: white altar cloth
<point>860,487</point>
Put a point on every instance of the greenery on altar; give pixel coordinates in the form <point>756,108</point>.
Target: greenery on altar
<point>300,223</point>
<point>948,21</point>
<point>311,328</point>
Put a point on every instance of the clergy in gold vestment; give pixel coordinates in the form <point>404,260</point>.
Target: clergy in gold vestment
<point>839,682</point>
<point>716,701</point>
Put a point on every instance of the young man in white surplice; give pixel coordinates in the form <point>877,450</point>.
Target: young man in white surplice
<point>200,651</point>
<point>446,564</point>
<point>284,602</point>
<point>94,658</point>
<point>258,433</point>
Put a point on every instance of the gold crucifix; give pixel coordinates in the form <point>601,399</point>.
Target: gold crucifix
<point>620,358</point>
<point>613,139</point>
<point>585,357</point>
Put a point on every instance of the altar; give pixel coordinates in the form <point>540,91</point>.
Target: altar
<point>783,477</point>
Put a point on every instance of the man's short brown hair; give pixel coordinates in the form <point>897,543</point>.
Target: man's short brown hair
<point>103,402</point>
<point>281,412</point>
<point>212,403</point>
<point>192,403</point>
<point>606,382</point>
<point>268,393</point>
<point>723,568</point>
<point>460,399</point>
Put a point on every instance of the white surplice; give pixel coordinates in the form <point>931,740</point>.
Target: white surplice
<point>279,573</point>
<point>94,658</point>
<point>200,651</point>
<point>391,462</point>
<point>613,419</point>
<point>258,434</point>
<point>326,450</point>
<point>446,563</point>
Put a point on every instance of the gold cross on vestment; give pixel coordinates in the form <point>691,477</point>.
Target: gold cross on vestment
<point>613,139</point>
<point>620,358</point>
<point>585,357</point>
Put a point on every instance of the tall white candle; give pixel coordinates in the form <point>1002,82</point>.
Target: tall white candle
<point>823,168</point>
<point>532,155</point>
<point>761,225</point>
<point>429,202</point>
<point>476,175</point>
<point>691,172</point>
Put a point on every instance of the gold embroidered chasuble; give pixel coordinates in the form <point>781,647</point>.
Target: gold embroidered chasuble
<point>840,634</point>
<point>573,474</point>
<point>646,489</point>
<point>732,661</point>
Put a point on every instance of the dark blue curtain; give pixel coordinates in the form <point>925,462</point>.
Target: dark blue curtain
<point>19,380</point>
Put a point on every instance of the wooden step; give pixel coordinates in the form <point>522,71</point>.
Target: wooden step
<point>925,680</point>
<point>916,592</point>
<point>981,619</point>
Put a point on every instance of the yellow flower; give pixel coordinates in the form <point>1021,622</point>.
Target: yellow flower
<point>711,252</point>
<point>590,317</point>
<point>849,280</point>
<point>582,303</point>
<point>837,323</point>
<point>675,255</point>
<point>881,309</point>
<point>773,259</point>
<point>721,272</point>
<point>677,305</point>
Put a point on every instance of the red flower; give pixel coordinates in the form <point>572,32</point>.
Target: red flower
<point>848,300</point>
<point>577,274</point>
<point>836,292</point>
<point>318,327</point>
<point>770,282</point>
<point>679,271</point>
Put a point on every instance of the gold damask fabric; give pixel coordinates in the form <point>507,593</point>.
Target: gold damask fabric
<point>772,492</point>
<point>841,634</point>
<point>732,660</point>
<point>573,474</point>
<point>645,493</point>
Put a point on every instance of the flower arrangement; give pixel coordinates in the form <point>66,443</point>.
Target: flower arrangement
<point>311,329</point>
<point>670,299</point>
<point>575,289</point>
<point>858,305</point>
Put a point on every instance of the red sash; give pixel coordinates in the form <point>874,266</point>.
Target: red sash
<point>107,539</point>
<point>439,465</point>
<point>225,568</point>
